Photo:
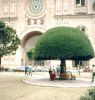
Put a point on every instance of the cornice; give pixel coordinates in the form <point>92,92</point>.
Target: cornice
<point>75,16</point>
<point>8,18</point>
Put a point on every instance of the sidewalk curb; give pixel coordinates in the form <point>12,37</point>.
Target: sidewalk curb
<point>60,84</point>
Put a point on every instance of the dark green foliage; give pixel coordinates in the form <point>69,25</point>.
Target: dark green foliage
<point>90,95</point>
<point>85,98</point>
<point>93,6</point>
<point>30,54</point>
<point>64,43</point>
<point>9,40</point>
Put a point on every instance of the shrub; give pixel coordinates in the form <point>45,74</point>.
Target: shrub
<point>90,95</point>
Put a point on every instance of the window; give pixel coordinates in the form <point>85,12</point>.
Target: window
<point>80,2</point>
<point>58,7</point>
<point>93,6</point>
<point>5,8</point>
<point>12,8</point>
<point>40,63</point>
<point>82,28</point>
<point>42,21</point>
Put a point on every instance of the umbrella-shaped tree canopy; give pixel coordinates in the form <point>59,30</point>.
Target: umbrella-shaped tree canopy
<point>64,43</point>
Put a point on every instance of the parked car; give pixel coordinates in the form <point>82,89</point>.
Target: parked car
<point>39,69</point>
<point>73,71</point>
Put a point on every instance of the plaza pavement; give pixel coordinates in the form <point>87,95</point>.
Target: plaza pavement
<point>42,79</point>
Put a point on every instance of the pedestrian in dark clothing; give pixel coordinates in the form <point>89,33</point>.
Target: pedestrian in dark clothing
<point>26,69</point>
<point>50,70</point>
<point>93,73</point>
<point>58,70</point>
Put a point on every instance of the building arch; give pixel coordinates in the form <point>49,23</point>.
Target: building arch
<point>29,37</point>
<point>34,28</point>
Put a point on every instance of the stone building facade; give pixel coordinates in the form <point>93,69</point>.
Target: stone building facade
<point>31,18</point>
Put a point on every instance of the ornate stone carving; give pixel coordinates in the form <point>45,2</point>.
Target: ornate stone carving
<point>36,8</point>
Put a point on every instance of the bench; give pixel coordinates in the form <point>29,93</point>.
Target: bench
<point>67,75</point>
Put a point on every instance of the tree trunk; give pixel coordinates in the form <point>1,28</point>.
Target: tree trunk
<point>0,64</point>
<point>63,66</point>
<point>0,61</point>
<point>79,67</point>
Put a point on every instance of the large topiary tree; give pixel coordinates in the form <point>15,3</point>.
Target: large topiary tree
<point>64,43</point>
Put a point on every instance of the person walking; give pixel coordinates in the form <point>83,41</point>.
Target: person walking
<point>93,73</point>
<point>50,70</point>
<point>58,70</point>
<point>30,70</point>
<point>53,74</point>
<point>26,69</point>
